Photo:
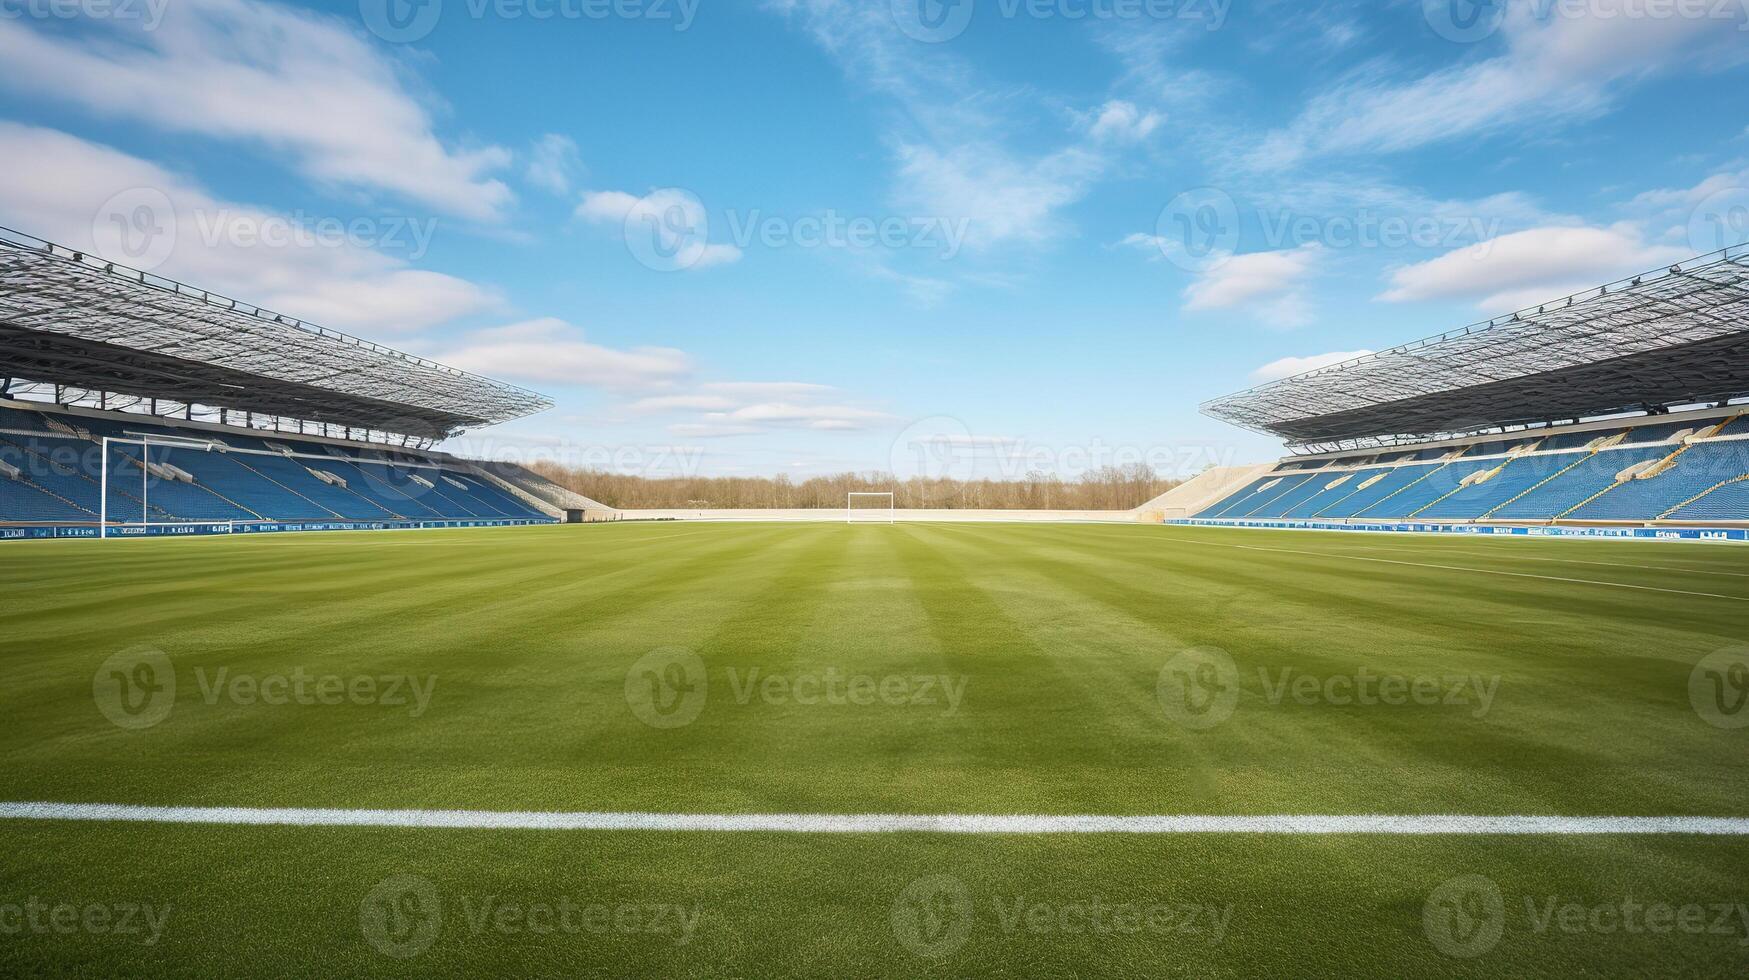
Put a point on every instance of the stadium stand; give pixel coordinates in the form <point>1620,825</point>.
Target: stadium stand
<point>1622,405</point>
<point>56,477</point>
<point>133,402</point>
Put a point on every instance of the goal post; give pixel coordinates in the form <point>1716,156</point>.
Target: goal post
<point>870,508</point>
<point>114,475</point>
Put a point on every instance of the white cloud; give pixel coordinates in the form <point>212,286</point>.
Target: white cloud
<point>1265,281</point>
<point>828,417</point>
<point>1556,67</point>
<point>1000,196</point>
<point>676,216</point>
<point>1287,367</point>
<point>732,408</point>
<point>1122,122</point>
<point>552,163</point>
<point>677,403</point>
<point>552,350</point>
<point>755,390</point>
<point>712,430</point>
<point>1525,268</point>
<point>296,83</point>
<point>63,188</point>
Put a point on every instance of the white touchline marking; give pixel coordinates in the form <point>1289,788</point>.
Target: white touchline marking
<point>1464,568</point>
<point>1583,561</point>
<point>875,823</point>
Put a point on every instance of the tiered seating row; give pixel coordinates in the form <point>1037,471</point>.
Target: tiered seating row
<point>59,478</point>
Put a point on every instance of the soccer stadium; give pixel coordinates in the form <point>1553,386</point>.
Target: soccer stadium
<point>810,742</point>
<point>874,488</point>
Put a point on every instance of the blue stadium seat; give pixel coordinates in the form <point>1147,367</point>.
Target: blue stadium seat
<point>1515,477</point>
<point>247,480</point>
<point>1698,469</point>
<point>1591,475</point>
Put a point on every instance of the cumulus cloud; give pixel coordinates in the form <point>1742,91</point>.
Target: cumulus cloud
<point>74,192</point>
<point>1267,282</point>
<point>732,408</point>
<point>1123,122</point>
<point>668,227</point>
<point>297,83</point>
<point>1525,268</point>
<point>551,350</point>
<point>1287,367</point>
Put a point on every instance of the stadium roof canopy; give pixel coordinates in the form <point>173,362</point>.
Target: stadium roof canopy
<point>70,319</point>
<point>1678,336</point>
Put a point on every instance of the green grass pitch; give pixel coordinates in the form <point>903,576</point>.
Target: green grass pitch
<point>909,669</point>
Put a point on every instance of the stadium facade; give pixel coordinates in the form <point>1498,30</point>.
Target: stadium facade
<point>1622,411</point>
<point>134,405</point>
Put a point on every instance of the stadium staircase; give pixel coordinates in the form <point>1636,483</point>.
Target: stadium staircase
<point>1640,488</point>
<point>1551,478</point>
<point>1394,494</point>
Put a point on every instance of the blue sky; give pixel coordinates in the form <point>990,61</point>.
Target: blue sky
<point>793,236</point>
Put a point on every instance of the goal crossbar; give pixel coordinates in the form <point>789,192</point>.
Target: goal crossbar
<point>888,514</point>
<point>145,441</point>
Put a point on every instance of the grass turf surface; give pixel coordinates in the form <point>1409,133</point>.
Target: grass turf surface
<point>1574,660</point>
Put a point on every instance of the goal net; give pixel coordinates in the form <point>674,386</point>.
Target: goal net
<point>141,486</point>
<point>877,508</point>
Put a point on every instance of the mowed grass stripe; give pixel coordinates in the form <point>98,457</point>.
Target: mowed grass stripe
<point>1061,631</point>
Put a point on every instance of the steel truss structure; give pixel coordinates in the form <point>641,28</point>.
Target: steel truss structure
<point>96,332</point>
<point>1678,336</point>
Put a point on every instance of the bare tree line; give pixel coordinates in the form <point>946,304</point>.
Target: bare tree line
<point>1107,488</point>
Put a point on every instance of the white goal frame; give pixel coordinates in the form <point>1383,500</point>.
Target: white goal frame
<point>850,511</point>
<point>145,441</point>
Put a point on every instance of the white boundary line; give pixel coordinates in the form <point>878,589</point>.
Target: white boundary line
<point>1465,568</point>
<point>874,823</point>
